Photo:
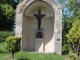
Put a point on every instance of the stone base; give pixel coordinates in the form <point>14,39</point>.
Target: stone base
<point>39,45</point>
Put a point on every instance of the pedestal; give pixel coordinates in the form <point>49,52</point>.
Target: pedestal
<point>39,45</point>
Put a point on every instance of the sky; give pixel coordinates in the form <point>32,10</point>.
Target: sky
<point>15,0</point>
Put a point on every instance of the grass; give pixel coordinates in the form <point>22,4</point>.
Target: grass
<point>38,56</point>
<point>5,55</point>
<point>3,52</point>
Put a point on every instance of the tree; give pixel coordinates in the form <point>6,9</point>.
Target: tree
<point>9,2</point>
<point>7,12</point>
<point>13,44</point>
<point>70,11</point>
<point>67,24</point>
<point>74,6</point>
<point>19,0</point>
<point>6,17</point>
<point>73,37</point>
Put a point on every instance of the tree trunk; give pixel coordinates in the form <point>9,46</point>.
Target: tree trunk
<point>77,52</point>
<point>76,56</point>
<point>12,55</point>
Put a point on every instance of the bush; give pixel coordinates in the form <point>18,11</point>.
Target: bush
<point>65,49</point>
<point>72,56</point>
<point>13,44</point>
<point>5,34</point>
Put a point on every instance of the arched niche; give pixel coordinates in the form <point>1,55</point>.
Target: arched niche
<point>30,25</point>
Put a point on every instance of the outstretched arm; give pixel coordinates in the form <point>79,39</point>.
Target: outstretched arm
<point>43,16</point>
<point>35,15</point>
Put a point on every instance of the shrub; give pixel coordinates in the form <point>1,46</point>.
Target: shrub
<point>65,49</point>
<point>5,34</point>
<point>73,37</point>
<point>72,56</point>
<point>13,44</point>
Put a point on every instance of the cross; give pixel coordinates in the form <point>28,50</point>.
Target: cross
<point>39,16</point>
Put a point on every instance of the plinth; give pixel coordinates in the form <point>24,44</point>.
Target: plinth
<point>39,40</point>
<point>39,45</point>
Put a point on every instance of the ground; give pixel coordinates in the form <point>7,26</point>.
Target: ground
<point>5,55</point>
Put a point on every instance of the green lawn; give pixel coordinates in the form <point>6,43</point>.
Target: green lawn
<point>5,55</point>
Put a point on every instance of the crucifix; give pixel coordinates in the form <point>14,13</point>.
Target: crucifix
<point>39,16</point>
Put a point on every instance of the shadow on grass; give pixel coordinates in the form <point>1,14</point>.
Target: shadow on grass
<point>3,52</point>
<point>23,59</point>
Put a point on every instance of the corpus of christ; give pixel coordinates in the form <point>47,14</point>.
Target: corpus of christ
<point>39,16</point>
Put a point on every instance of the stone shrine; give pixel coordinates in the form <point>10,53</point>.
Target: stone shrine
<point>39,23</point>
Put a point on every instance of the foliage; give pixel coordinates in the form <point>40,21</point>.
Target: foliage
<point>20,0</point>
<point>13,44</point>
<point>65,49</point>
<point>73,37</point>
<point>5,34</point>
<point>9,2</point>
<point>67,24</point>
<point>70,11</point>
<point>4,52</point>
<point>72,56</point>
<point>74,6</point>
<point>7,15</point>
<point>7,12</point>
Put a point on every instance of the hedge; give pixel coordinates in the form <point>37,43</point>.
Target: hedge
<point>5,34</point>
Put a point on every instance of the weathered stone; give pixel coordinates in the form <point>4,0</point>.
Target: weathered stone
<point>51,24</point>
